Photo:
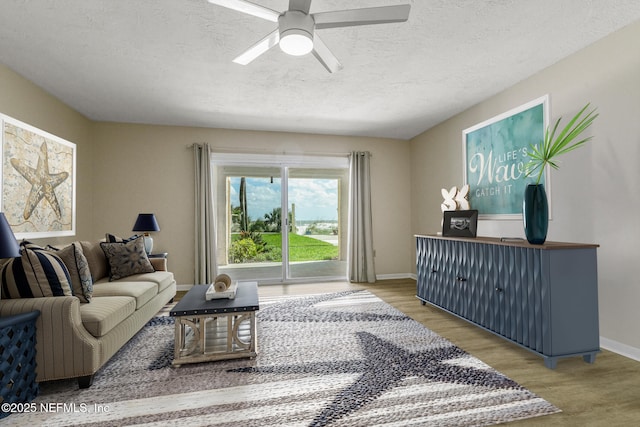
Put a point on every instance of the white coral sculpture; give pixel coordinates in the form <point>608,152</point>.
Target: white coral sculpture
<point>449,203</point>
<point>455,199</point>
<point>462,198</point>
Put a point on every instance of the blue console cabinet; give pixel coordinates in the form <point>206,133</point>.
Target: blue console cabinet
<point>542,297</point>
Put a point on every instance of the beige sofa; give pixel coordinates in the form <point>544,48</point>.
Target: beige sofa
<point>74,339</point>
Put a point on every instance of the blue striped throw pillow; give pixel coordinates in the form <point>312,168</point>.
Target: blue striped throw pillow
<point>37,273</point>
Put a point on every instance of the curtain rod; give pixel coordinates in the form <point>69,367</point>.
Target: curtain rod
<point>284,152</point>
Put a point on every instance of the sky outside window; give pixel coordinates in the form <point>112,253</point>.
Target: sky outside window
<point>315,199</point>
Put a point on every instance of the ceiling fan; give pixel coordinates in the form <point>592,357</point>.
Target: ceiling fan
<point>296,33</point>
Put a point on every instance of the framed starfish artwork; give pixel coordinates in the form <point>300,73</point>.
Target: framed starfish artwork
<point>38,193</point>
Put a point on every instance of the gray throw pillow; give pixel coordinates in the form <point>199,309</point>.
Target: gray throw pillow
<point>126,258</point>
<point>75,261</point>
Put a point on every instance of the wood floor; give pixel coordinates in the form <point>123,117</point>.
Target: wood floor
<point>606,393</point>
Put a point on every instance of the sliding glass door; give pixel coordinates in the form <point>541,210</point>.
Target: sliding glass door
<point>281,223</point>
<point>318,214</point>
<point>249,229</point>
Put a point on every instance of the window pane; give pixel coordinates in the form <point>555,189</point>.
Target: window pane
<point>317,242</point>
<point>252,245</point>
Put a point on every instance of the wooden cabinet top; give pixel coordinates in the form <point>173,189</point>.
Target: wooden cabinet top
<point>548,245</point>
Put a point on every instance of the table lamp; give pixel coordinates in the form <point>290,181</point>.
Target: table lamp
<point>9,247</point>
<point>146,222</point>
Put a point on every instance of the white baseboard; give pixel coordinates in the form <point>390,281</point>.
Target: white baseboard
<point>395,276</point>
<point>621,349</point>
<point>183,287</point>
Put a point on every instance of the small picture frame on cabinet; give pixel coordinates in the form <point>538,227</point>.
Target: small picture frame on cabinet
<point>460,223</point>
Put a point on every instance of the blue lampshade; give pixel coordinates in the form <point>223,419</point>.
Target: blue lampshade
<point>9,247</point>
<point>146,222</point>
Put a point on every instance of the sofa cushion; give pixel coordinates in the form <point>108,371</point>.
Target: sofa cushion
<point>37,273</point>
<point>143,292</point>
<point>105,313</point>
<point>162,279</point>
<point>96,259</point>
<point>127,258</point>
<point>75,261</point>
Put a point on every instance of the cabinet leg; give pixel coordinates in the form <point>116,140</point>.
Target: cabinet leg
<point>423,303</point>
<point>550,362</point>
<point>85,381</point>
<point>589,358</point>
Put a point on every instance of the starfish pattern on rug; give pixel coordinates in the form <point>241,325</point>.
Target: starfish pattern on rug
<point>303,310</point>
<point>42,182</point>
<point>383,368</point>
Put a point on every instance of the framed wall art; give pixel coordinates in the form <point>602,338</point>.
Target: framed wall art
<point>495,155</point>
<point>38,192</point>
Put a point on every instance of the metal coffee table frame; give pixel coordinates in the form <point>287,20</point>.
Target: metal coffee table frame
<point>219,329</point>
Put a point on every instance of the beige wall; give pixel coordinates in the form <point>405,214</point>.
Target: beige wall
<point>595,192</point>
<point>26,102</point>
<point>142,168</point>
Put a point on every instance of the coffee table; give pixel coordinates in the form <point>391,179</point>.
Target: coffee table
<point>218,329</point>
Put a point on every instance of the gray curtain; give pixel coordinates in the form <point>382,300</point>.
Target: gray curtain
<point>205,236</point>
<point>361,266</point>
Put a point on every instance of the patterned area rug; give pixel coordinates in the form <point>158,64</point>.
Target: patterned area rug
<point>342,359</point>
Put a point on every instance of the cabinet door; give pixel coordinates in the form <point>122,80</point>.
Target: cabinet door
<point>465,281</point>
<point>422,268</point>
<point>493,315</point>
<point>428,267</point>
<point>453,274</point>
<point>487,304</point>
<point>520,286</point>
<point>453,269</point>
<point>434,267</point>
<point>440,256</point>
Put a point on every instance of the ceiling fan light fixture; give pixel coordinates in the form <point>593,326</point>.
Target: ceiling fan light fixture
<point>296,42</point>
<point>296,33</point>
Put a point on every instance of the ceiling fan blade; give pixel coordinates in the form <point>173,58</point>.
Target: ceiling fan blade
<point>366,16</point>
<point>259,48</point>
<point>324,55</point>
<point>301,5</point>
<point>249,8</point>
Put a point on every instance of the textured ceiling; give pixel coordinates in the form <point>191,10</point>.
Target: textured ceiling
<point>169,61</point>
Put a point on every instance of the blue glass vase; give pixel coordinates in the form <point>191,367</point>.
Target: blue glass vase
<point>535,213</point>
